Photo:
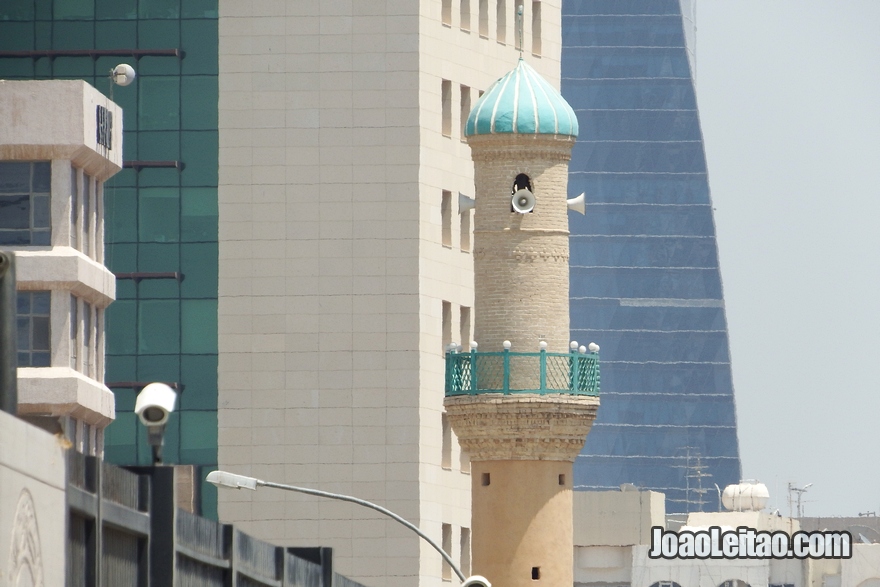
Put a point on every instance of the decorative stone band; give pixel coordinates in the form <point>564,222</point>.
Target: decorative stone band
<point>525,427</point>
<point>511,147</point>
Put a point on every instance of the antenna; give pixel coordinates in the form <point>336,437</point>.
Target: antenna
<point>520,26</point>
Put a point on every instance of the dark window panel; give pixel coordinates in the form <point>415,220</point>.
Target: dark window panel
<point>198,262</point>
<point>591,315</point>
<point>644,219</point>
<point>657,7</point>
<point>116,9</point>
<point>652,409</point>
<point>120,217</point>
<point>199,39</point>
<point>74,9</point>
<point>73,67</point>
<point>199,154</point>
<point>159,145</point>
<point>673,157</point>
<point>199,374</point>
<point>633,188</point>
<point>158,215</point>
<point>158,368</point>
<point>662,378</point>
<point>662,347</point>
<point>121,368</point>
<point>15,68</point>
<point>639,251</point>
<point>115,34</point>
<point>159,9</point>
<point>659,441</point>
<point>158,257</point>
<point>159,177</point>
<point>156,65</point>
<point>15,212</point>
<point>198,326</point>
<point>199,102</point>
<point>72,35</point>
<point>42,177</point>
<point>15,178</point>
<point>120,323</point>
<point>199,9</point>
<point>17,10</point>
<point>198,436</point>
<point>158,327</point>
<point>198,215</point>
<point>646,283</point>
<point>617,31</point>
<point>159,103</point>
<point>667,94</point>
<point>15,36</point>
<point>639,125</point>
<point>614,62</point>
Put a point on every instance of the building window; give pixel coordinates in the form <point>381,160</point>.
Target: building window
<point>465,545</point>
<point>465,234</point>
<point>446,12</point>
<point>536,28</point>
<point>24,203</point>
<point>74,330</point>
<point>446,107</point>
<point>75,190</point>
<point>33,328</point>
<point>518,24</point>
<point>446,218</point>
<point>446,443</point>
<point>501,21</point>
<point>447,547</point>
<point>465,108</point>
<point>484,18</point>
<point>447,326</point>
<point>465,15</point>
<point>464,325</point>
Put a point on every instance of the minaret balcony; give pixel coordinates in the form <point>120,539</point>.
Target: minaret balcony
<point>474,372</point>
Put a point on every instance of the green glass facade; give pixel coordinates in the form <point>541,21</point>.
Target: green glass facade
<point>161,212</point>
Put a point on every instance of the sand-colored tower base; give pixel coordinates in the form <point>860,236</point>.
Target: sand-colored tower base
<point>522,447</point>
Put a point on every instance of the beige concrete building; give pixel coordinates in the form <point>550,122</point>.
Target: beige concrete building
<point>345,266</point>
<point>59,142</point>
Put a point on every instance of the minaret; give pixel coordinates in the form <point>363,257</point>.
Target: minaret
<point>523,401</point>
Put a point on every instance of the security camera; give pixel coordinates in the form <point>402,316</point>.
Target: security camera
<point>154,404</point>
<point>476,581</point>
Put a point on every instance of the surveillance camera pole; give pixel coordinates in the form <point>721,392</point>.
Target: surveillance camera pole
<point>224,479</point>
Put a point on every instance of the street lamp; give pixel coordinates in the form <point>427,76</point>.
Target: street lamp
<point>225,479</point>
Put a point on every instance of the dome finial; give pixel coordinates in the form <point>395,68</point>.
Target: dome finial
<point>520,27</point>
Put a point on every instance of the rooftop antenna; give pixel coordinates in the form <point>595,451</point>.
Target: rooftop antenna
<point>520,27</point>
<point>800,495</point>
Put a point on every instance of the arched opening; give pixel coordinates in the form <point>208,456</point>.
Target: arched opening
<point>734,583</point>
<point>665,584</point>
<point>522,182</point>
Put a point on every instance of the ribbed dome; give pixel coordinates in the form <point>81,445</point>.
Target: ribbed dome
<point>522,102</point>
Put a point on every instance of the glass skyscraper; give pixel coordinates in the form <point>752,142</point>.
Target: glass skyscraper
<point>645,280</point>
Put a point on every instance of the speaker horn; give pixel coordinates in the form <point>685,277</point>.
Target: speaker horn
<point>523,201</point>
<point>465,203</point>
<point>577,204</point>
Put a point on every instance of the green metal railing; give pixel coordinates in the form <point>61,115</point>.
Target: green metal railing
<point>473,372</point>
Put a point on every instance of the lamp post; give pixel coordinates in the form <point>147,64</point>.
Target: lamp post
<point>231,480</point>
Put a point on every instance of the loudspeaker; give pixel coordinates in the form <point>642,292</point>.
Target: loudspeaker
<point>523,201</point>
<point>465,203</point>
<point>577,204</point>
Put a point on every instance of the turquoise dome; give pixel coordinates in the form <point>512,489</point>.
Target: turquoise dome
<point>522,102</point>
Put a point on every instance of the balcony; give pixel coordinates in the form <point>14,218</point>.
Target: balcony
<point>506,372</point>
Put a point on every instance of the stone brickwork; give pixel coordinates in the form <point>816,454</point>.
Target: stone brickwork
<point>521,260</point>
<point>495,427</point>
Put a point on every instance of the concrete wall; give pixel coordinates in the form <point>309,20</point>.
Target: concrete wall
<point>32,505</point>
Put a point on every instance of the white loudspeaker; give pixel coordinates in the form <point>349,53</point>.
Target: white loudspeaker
<point>465,203</point>
<point>523,201</point>
<point>577,204</point>
<point>477,580</point>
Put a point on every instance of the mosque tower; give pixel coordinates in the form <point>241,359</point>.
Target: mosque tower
<point>523,400</point>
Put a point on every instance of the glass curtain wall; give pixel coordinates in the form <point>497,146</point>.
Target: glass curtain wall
<point>645,280</point>
<point>161,210</point>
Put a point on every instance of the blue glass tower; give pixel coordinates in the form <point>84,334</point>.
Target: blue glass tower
<point>645,280</point>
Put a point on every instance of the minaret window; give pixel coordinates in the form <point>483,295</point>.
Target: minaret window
<point>522,182</point>
<point>24,203</point>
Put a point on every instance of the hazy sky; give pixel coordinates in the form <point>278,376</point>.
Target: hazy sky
<point>789,99</point>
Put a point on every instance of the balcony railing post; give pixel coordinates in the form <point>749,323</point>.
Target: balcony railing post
<point>474,371</point>
<point>575,371</point>
<point>506,383</point>
<point>543,367</point>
